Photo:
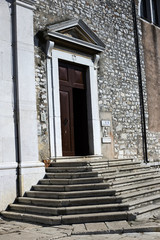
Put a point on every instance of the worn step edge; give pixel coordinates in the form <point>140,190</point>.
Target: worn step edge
<point>125,170</point>
<point>70,194</point>
<point>61,188</point>
<point>71,181</point>
<point>136,186</point>
<point>69,202</point>
<point>144,200</point>
<point>107,169</point>
<point>116,163</point>
<point>145,209</point>
<point>128,174</point>
<point>120,182</point>
<point>66,159</point>
<point>71,219</point>
<point>106,160</point>
<point>122,163</point>
<point>54,220</point>
<point>68,164</point>
<point>69,169</point>
<point>70,175</point>
<point>97,217</point>
<point>67,210</point>
<point>139,193</point>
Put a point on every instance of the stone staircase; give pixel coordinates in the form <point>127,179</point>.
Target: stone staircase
<point>95,190</point>
<point>71,192</point>
<point>136,183</point>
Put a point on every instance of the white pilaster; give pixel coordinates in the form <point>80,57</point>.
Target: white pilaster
<point>49,47</point>
<point>94,107</point>
<point>31,168</point>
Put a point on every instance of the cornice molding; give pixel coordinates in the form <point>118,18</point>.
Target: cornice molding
<point>85,39</point>
<point>30,4</point>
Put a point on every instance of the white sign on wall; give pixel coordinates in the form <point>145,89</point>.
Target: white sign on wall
<point>106,123</point>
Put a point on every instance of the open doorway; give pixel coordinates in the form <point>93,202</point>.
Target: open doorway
<point>73,104</point>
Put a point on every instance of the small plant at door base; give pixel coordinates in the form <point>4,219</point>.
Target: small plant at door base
<point>47,162</point>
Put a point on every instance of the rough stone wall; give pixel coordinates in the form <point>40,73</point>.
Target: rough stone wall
<point>112,21</point>
<point>42,103</point>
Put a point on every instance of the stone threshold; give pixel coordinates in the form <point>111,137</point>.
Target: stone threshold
<point>75,158</point>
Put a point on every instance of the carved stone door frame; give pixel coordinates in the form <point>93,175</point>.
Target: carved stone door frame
<point>54,55</point>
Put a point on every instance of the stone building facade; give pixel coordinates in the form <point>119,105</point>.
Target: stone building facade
<point>106,45</point>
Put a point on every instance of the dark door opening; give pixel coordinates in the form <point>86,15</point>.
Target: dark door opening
<point>73,101</point>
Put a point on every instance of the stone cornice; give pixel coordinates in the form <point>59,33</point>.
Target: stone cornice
<point>83,39</point>
<point>30,4</point>
<point>56,35</point>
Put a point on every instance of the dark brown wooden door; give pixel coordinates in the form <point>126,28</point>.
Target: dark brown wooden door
<point>74,124</point>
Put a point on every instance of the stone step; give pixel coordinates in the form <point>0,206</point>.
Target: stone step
<point>71,159</point>
<point>68,169</point>
<point>145,200</point>
<point>129,175</point>
<point>108,164</point>
<point>119,161</point>
<point>69,219</point>
<point>67,210</point>
<point>94,164</point>
<point>134,187</point>
<point>73,194</point>
<point>69,164</point>
<point>71,181</point>
<point>71,175</point>
<point>69,202</point>
<point>31,218</point>
<point>135,180</point>
<point>103,160</point>
<point>145,209</point>
<point>76,192</point>
<point>125,169</point>
<point>123,164</point>
<point>139,193</point>
<point>67,188</point>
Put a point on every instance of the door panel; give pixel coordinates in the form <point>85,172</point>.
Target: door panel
<point>76,76</point>
<point>67,121</point>
<point>63,75</point>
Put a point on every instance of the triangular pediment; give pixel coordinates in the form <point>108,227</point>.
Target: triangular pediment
<point>76,32</point>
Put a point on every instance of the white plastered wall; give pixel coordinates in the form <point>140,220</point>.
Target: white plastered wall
<point>7,133</point>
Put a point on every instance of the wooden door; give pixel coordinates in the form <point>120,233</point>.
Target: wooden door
<point>74,123</point>
<point>67,121</point>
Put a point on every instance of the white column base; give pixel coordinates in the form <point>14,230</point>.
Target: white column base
<point>8,178</point>
<point>30,174</point>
